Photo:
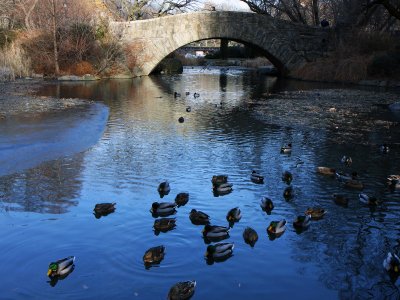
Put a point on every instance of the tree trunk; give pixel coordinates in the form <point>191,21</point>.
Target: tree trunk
<point>55,44</point>
<point>315,12</point>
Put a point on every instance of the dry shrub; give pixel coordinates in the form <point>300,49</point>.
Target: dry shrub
<point>80,68</point>
<point>14,61</point>
<point>352,69</point>
<point>134,55</point>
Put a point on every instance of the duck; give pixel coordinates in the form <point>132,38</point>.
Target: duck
<point>343,177</point>
<point>196,95</point>
<point>103,209</point>
<point>256,177</point>
<point>288,193</point>
<point>154,255</point>
<point>164,224</point>
<point>302,222</point>
<point>176,94</point>
<point>219,251</point>
<point>316,213</point>
<point>370,201</point>
<point>163,188</point>
<point>346,160</point>
<point>188,109</point>
<point>182,290</point>
<point>198,217</point>
<point>394,184</point>
<point>181,199</point>
<point>181,119</point>
<point>276,228</point>
<point>219,179</point>
<point>234,215</point>
<point>286,149</point>
<point>287,177</point>
<point>213,232</point>
<point>393,177</point>
<point>163,208</point>
<point>340,199</point>
<point>354,184</point>
<point>267,204</point>
<point>326,171</point>
<point>223,189</point>
<point>392,263</point>
<point>384,148</point>
<point>250,236</point>
<point>187,93</point>
<point>61,267</point>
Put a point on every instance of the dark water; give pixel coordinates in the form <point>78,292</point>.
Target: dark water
<point>46,209</point>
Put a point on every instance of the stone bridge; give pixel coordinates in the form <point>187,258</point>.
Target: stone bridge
<point>287,45</point>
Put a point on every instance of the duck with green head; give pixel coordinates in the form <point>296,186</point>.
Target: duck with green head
<point>218,180</point>
<point>103,209</point>
<point>276,228</point>
<point>302,222</point>
<point>163,188</point>
<point>368,200</point>
<point>256,177</point>
<point>287,149</point>
<point>215,233</point>
<point>163,208</point>
<point>267,204</point>
<point>61,268</point>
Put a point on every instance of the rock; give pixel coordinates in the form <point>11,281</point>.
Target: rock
<point>86,77</point>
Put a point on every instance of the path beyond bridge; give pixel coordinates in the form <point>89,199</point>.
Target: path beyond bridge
<point>287,45</point>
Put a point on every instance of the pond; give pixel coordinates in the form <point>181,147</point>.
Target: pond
<point>57,167</point>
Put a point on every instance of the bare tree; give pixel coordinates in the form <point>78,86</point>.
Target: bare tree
<point>27,7</point>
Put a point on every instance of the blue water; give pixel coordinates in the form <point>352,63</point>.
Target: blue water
<point>238,124</point>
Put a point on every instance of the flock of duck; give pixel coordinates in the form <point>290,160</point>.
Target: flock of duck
<point>218,251</point>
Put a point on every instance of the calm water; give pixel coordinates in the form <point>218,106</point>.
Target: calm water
<point>48,194</point>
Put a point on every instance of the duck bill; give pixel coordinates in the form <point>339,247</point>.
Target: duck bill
<point>49,272</point>
<point>396,269</point>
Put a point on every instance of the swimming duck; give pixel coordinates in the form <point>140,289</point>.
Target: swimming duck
<point>316,213</point>
<point>340,199</point>
<point>181,199</point>
<point>384,148</point>
<point>223,189</point>
<point>256,177</point>
<point>392,263</point>
<point>346,160</point>
<point>219,251</point>
<point>213,232</point>
<point>219,179</point>
<point>196,95</point>
<point>370,201</point>
<point>288,193</point>
<point>393,177</point>
<point>164,224</point>
<point>198,217</point>
<point>103,209</point>
<point>163,208</point>
<point>287,177</point>
<point>343,177</point>
<point>182,290</point>
<point>266,204</point>
<point>302,222</point>
<point>276,228</point>
<point>234,215</point>
<point>326,171</point>
<point>61,268</point>
<point>188,109</point>
<point>163,188</point>
<point>287,148</point>
<point>354,184</point>
<point>181,119</point>
<point>394,184</point>
<point>154,255</point>
<point>176,94</point>
<point>250,236</point>
<point>187,93</point>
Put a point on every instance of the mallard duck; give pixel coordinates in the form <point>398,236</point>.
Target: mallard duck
<point>354,184</point>
<point>219,251</point>
<point>316,213</point>
<point>343,177</point>
<point>288,193</point>
<point>287,177</point>
<point>219,179</point>
<point>103,209</point>
<point>181,119</point>
<point>250,236</point>
<point>234,215</point>
<point>276,228</point>
<point>163,208</point>
<point>326,171</point>
<point>182,290</point>
<point>393,177</point>
<point>196,95</point>
<point>188,109</point>
<point>256,177</point>
<point>61,268</point>
<point>346,160</point>
<point>181,199</point>
<point>164,224</point>
<point>302,222</point>
<point>287,148</point>
<point>223,189</point>
<point>384,148</point>
<point>370,201</point>
<point>340,199</point>
<point>392,263</point>
<point>198,217</point>
<point>154,255</point>
<point>176,94</point>
<point>266,204</point>
<point>163,188</point>
<point>213,232</point>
